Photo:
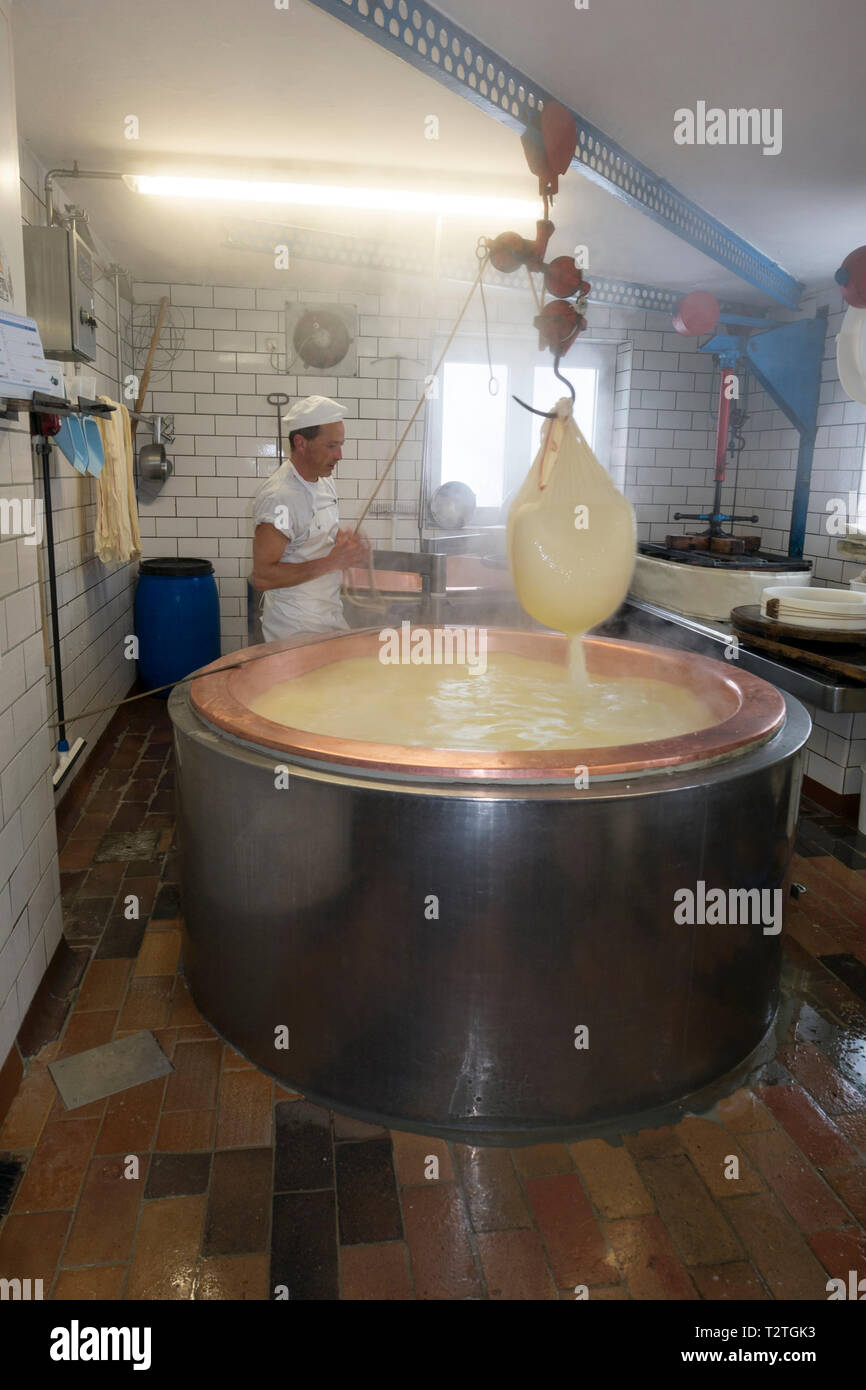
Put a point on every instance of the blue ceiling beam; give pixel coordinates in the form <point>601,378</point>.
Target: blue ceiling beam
<point>436,46</point>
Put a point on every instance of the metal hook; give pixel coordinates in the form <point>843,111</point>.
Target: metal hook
<point>545,414</point>
<point>558,374</point>
<point>550,414</point>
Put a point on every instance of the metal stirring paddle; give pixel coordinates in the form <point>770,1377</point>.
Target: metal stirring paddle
<point>279,400</point>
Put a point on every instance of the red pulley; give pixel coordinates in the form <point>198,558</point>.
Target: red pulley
<point>560,136</point>
<point>851,278</point>
<point>549,144</point>
<point>510,250</point>
<point>697,313</point>
<point>558,325</point>
<point>563,279</point>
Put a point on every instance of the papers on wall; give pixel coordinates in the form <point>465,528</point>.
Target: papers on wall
<point>23,364</point>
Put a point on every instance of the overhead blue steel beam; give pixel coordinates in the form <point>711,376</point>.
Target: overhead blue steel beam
<point>436,46</point>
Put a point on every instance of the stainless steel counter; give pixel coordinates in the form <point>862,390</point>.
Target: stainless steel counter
<point>639,621</point>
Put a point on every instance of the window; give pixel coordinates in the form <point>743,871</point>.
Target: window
<point>486,439</point>
<point>473,429</point>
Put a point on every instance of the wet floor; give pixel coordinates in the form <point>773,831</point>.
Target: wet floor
<point>246,1189</point>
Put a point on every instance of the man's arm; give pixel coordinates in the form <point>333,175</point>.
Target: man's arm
<point>269,573</point>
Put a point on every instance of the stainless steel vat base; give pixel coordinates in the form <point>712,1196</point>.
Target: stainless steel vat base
<point>307,908</point>
<point>523,1133</point>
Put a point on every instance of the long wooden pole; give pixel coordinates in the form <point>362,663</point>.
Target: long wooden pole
<point>145,376</point>
<point>422,399</point>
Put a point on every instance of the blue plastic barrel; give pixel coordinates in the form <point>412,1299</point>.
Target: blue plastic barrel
<point>177,619</point>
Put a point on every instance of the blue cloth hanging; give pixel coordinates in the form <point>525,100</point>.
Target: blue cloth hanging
<point>93,441</point>
<point>72,443</point>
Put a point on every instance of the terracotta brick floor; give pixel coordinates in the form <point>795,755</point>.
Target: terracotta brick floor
<point>245,1186</point>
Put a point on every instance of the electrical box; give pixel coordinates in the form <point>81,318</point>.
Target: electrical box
<point>58,269</point>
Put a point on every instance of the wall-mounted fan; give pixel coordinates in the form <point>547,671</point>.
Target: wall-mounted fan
<point>321,338</point>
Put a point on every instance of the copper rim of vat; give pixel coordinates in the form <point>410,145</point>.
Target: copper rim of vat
<point>749,710</point>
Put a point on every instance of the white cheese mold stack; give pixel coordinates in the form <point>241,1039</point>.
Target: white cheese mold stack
<point>570,534</point>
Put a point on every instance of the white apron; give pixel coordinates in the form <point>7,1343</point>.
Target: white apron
<point>307,515</point>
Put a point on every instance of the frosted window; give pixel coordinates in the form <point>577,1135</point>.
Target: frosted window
<point>547,390</point>
<point>473,430</point>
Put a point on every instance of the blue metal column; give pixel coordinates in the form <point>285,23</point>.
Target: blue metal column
<point>797,535</point>
<point>787,362</point>
<point>436,46</point>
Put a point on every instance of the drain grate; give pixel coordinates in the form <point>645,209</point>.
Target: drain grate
<point>10,1173</point>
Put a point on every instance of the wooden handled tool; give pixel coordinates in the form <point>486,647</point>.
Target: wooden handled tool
<point>151,353</point>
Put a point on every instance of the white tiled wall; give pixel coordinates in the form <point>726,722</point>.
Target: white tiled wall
<point>836,750</point>
<point>669,440</point>
<point>30,918</point>
<point>837,747</point>
<point>769,461</point>
<point>225,430</point>
<point>216,389</point>
<point>95,600</point>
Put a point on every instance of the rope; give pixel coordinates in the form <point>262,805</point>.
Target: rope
<point>423,395</point>
<point>532,287</point>
<point>375,599</point>
<point>193,676</point>
<point>491,379</point>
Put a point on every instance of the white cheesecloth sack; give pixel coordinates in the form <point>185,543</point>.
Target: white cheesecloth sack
<point>570,534</point>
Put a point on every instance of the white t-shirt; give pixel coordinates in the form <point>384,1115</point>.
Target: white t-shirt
<point>306,514</point>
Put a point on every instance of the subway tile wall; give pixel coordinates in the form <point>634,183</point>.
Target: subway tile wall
<point>30,915</point>
<point>95,600</point>
<point>231,358</point>
<point>769,461</point>
<point>30,919</point>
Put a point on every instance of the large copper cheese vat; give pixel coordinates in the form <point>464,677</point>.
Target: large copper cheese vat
<point>483,943</point>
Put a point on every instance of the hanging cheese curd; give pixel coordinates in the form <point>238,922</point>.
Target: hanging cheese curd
<point>571,537</point>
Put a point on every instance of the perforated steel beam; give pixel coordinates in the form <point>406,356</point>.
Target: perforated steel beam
<point>436,46</point>
<point>368,253</point>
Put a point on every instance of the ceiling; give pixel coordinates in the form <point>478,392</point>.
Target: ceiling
<point>295,93</point>
<point>628,65</point>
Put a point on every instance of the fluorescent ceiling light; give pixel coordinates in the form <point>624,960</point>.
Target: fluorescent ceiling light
<point>326,196</point>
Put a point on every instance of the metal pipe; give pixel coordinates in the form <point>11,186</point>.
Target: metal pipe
<point>425,446</point>
<point>438,575</point>
<point>43,447</point>
<point>117,333</point>
<point>722,424</point>
<point>73,173</point>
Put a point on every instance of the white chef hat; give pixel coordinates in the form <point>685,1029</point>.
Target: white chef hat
<point>314,410</point>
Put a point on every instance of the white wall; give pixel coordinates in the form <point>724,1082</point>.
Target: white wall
<point>95,600</point>
<point>225,429</point>
<point>30,919</point>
